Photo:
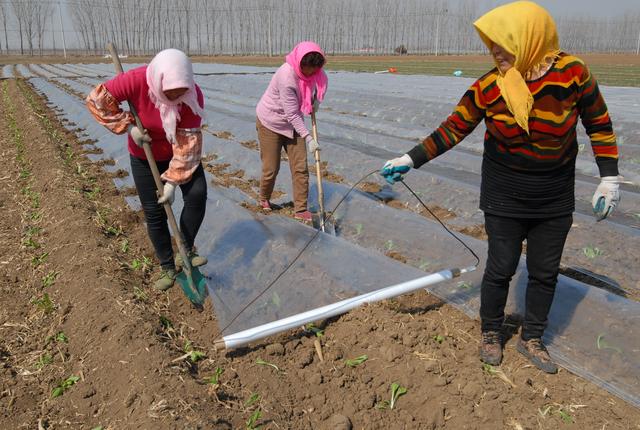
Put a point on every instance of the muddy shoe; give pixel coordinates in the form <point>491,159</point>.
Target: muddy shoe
<point>304,216</point>
<point>536,352</point>
<point>166,279</point>
<point>196,260</point>
<point>491,348</point>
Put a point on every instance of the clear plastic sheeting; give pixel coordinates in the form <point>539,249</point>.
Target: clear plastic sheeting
<point>591,332</point>
<point>7,71</point>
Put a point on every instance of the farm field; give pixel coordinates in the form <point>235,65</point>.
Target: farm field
<point>610,69</point>
<point>135,358</point>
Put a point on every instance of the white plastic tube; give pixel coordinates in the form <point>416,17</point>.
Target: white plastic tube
<point>250,335</point>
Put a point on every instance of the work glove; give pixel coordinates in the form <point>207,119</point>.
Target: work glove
<point>312,144</point>
<point>606,197</point>
<point>316,105</point>
<point>168,194</point>
<point>139,136</point>
<point>393,170</point>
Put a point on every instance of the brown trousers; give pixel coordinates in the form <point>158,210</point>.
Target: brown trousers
<point>271,144</point>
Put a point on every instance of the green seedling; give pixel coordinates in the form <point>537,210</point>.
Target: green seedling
<point>124,245</point>
<point>39,259</point>
<point>35,199</point>
<point>64,386</point>
<point>24,173</point>
<point>266,363</point>
<point>488,368</point>
<point>50,278</point>
<point>252,422</point>
<point>215,379</point>
<point>356,361</point>
<point>389,245</point>
<point>80,170</point>
<point>438,338</point>
<point>30,243</point>
<point>424,265</point>
<point>275,299</point>
<point>32,231</point>
<point>44,303</point>
<point>359,228</point>
<point>110,229</point>
<point>566,418</point>
<point>165,322</point>
<point>494,371</point>
<point>93,193</point>
<point>252,399</point>
<point>36,216</point>
<point>465,285</point>
<point>43,361</point>
<point>196,356</point>
<point>68,155</point>
<point>396,392</point>
<point>591,252</point>
<point>193,354</point>
<point>98,428</point>
<point>60,337</point>
<point>602,344</point>
<point>315,330</point>
<point>140,294</point>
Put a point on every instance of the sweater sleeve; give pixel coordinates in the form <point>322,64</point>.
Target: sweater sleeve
<point>106,110</point>
<point>466,116</point>
<point>597,123</point>
<point>291,105</point>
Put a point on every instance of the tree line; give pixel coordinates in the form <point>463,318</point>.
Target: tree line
<point>272,27</point>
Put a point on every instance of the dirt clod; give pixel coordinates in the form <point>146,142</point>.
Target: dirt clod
<point>337,422</point>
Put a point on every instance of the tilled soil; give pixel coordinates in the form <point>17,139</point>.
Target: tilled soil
<point>79,319</point>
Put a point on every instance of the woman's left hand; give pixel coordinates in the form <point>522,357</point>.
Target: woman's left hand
<point>312,144</point>
<point>606,197</point>
<point>168,195</point>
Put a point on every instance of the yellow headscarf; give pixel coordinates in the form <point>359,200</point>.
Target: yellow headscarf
<point>527,31</point>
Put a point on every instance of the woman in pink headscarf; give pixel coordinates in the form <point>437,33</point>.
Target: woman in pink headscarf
<point>170,106</point>
<point>295,90</point>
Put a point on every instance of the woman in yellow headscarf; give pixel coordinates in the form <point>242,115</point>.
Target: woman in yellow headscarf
<point>530,103</point>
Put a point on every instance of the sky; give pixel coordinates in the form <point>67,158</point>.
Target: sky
<point>557,8</point>
<point>608,8</point>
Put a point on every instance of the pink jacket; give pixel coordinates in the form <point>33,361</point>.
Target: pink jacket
<point>279,107</point>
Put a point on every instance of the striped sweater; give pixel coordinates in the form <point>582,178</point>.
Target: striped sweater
<point>530,175</point>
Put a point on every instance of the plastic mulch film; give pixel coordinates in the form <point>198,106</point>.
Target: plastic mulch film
<point>591,332</point>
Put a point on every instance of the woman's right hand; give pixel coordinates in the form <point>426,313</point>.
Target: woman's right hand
<point>139,136</point>
<point>393,170</point>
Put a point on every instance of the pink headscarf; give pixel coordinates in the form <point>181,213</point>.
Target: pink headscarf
<point>306,84</point>
<point>171,69</point>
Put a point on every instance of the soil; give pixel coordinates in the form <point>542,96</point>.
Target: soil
<point>127,344</point>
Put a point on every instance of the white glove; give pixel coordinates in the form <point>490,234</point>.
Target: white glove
<point>139,136</point>
<point>312,145</point>
<point>393,170</point>
<point>168,193</point>
<point>606,197</point>
<point>316,105</point>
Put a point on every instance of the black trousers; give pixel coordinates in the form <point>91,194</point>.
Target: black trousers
<point>545,242</point>
<point>194,195</point>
